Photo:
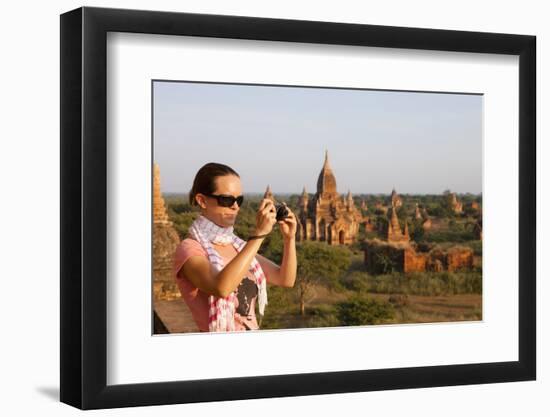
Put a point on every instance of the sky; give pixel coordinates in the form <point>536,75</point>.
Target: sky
<point>417,142</point>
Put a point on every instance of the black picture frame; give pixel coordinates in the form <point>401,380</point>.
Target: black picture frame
<point>83,152</point>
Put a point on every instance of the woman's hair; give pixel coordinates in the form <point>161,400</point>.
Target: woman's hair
<point>205,179</point>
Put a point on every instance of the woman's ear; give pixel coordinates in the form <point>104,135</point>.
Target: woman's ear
<point>199,198</point>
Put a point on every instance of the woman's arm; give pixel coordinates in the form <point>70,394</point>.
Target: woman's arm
<point>220,284</point>
<point>202,275</point>
<point>284,275</point>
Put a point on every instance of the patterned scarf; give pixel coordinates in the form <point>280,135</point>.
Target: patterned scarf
<point>221,310</point>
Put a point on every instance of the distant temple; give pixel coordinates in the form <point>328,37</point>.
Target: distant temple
<point>269,194</point>
<point>394,233</point>
<point>384,257</point>
<point>328,216</point>
<point>165,241</point>
<point>417,213</point>
<point>397,253</point>
<point>422,215</point>
<point>395,200</point>
<point>170,313</point>
<point>380,207</point>
<point>453,203</point>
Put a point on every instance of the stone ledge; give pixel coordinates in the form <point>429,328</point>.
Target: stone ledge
<point>175,316</point>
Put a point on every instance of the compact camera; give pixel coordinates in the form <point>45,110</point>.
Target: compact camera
<point>282,212</point>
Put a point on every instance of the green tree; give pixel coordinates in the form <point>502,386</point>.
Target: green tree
<point>272,246</point>
<point>387,265</point>
<point>416,230</point>
<point>319,263</point>
<point>358,311</point>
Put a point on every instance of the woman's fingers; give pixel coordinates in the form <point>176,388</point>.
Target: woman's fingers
<point>262,204</point>
<point>269,208</point>
<point>265,203</point>
<point>290,214</point>
<point>267,211</point>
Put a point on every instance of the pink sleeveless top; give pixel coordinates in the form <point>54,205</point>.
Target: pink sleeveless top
<point>197,300</point>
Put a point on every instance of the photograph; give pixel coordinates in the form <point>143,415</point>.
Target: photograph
<point>351,197</point>
<point>279,207</point>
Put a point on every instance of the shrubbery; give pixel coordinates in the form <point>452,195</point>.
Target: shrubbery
<point>324,315</point>
<point>448,236</point>
<point>360,311</point>
<point>416,283</point>
<point>477,246</point>
<point>355,281</point>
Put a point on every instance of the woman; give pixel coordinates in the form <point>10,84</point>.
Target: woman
<point>219,275</point>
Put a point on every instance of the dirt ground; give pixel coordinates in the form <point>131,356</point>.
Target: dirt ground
<point>421,309</point>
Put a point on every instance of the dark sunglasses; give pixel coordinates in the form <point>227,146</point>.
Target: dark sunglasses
<point>227,200</point>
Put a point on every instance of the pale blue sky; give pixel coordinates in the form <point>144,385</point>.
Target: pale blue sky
<point>415,142</point>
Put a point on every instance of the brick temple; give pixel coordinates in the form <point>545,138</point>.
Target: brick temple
<point>328,216</point>
<point>165,241</point>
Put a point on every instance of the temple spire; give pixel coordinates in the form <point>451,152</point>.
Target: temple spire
<point>326,164</point>
<point>326,183</point>
<point>268,194</point>
<point>417,214</point>
<point>160,215</point>
<point>349,197</point>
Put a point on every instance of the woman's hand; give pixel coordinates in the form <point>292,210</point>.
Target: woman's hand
<point>288,225</point>
<point>265,217</point>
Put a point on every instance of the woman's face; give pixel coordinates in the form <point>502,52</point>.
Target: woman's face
<point>222,216</point>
